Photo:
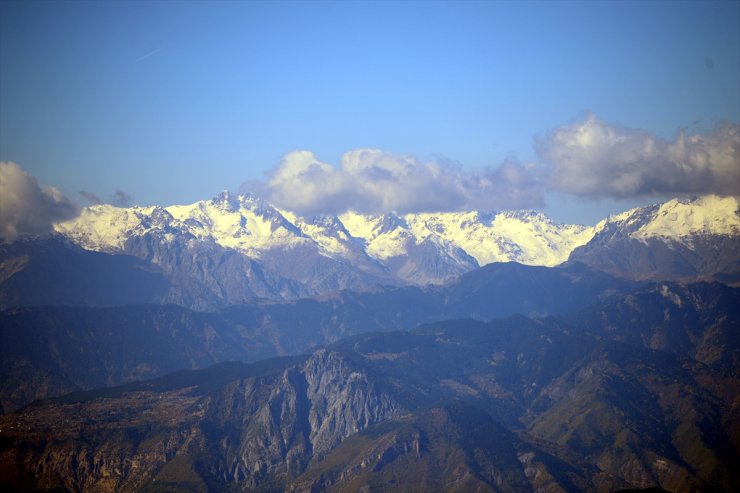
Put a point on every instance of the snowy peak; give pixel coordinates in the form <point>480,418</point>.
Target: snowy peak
<point>329,233</point>
<point>252,226</point>
<point>371,226</point>
<point>105,228</point>
<point>523,236</point>
<point>527,237</point>
<point>243,223</point>
<point>708,215</point>
<point>411,248</point>
<point>678,219</point>
<point>680,239</point>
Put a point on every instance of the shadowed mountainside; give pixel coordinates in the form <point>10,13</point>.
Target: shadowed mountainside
<point>510,405</point>
<point>48,351</point>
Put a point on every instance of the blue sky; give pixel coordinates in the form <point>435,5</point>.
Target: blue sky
<point>173,102</point>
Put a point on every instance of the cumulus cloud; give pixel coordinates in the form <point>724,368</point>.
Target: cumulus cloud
<point>26,208</point>
<point>594,159</point>
<point>375,181</point>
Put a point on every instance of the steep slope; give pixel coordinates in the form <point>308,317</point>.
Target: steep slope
<point>452,448</point>
<point>511,405</point>
<point>681,238</point>
<point>646,417</point>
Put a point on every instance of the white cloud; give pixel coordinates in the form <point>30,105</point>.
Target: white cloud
<point>25,207</point>
<point>370,180</point>
<point>593,159</point>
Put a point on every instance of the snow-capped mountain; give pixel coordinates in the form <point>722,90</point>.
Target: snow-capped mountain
<point>238,247</point>
<point>695,237</point>
<point>415,248</point>
<point>679,220</point>
<point>226,250</point>
<point>464,240</point>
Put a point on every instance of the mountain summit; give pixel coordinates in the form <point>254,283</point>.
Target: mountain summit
<point>360,249</point>
<point>681,238</point>
<point>236,248</point>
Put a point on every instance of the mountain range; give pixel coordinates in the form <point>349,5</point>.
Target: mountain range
<point>229,345</point>
<point>515,404</point>
<point>237,249</point>
<point>49,350</point>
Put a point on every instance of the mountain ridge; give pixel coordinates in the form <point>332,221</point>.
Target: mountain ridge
<point>509,405</point>
<point>53,349</point>
<point>697,238</point>
<point>309,255</point>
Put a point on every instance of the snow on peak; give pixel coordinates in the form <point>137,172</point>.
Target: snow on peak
<point>679,219</point>
<point>522,236</point>
<point>252,226</point>
<point>105,227</point>
<point>241,222</point>
<point>248,224</point>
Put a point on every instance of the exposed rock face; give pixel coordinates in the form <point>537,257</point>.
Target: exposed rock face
<point>509,405</point>
<point>252,432</point>
<point>269,430</point>
<point>344,400</point>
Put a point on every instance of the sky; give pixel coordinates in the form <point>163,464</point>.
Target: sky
<point>580,109</point>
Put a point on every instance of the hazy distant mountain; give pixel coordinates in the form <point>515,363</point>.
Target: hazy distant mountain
<point>46,351</point>
<point>510,405</point>
<point>54,272</point>
<point>691,238</point>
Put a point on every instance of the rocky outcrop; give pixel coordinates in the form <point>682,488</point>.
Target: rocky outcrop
<point>251,433</point>
<point>270,430</point>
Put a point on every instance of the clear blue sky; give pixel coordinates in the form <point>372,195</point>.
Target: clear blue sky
<point>173,102</point>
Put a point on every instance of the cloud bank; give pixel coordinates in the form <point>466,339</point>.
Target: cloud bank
<point>26,208</point>
<point>595,159</point>
<point>373,181</point>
